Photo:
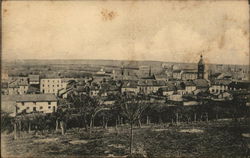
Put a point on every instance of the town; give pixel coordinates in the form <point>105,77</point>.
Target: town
<point>39,96</point>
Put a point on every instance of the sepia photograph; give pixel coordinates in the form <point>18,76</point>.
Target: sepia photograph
<point>125,79</point>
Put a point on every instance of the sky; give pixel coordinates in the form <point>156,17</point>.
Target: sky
<point>175,31</point>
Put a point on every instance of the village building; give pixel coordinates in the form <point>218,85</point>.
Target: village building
<point>51,85</point>
<point>202,85</point>
<point>168,90</point>
<point>150,86</point>
<point>129,87</point>
<point>239,85</point>
<point>190,87</point>
<point>219,86</point>
<point>29,103</point>
<point>18,87</point>
<point>34,79</point>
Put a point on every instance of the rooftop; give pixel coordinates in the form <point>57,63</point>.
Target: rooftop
<point>36,97</point>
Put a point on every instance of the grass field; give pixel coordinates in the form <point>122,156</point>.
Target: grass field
<point>213,139</point>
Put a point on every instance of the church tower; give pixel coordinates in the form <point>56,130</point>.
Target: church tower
<point>201,69</point>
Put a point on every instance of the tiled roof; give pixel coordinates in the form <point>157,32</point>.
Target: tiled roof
<point>201,83</point>
<point>36,97</point>
<point>33,89</point>
<point>189,83</point>
<point>169,87</point>
<point>221,82</point>
<point>129,84</point>
<point>34,78</point>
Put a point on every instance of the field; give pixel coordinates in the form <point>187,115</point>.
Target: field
<point>213,139</point>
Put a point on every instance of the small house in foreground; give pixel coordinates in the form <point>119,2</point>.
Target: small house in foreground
<point>44,103</point>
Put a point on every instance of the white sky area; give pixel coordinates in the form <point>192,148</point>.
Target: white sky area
<point>176,31</point>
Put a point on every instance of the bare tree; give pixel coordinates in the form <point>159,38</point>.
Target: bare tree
<point>132,108</point>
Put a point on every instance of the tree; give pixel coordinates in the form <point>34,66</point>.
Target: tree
<point>87,107</point>
<point>132,108</point>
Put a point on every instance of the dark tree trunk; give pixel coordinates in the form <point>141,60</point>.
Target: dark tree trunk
<point>57,124</point>
<point>62,124</point>
<point>29,130</point>
<point>85,123</point>
<point>177,118</point>
<point>139,122</point>
<point>103,122</point>
<point>131,138</point>
<point>106,123</point>
<point>15,130</point>
<point>194,117</point>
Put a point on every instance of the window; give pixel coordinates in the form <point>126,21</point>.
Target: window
<point>58,85</point>
<point>41,107</point>
<point>43,85</point>
<point>34,102</point>
<point>49,107</point>
<point>49,103</point>
<point>53,86</point>
<point>34,108</point>
<point>28,108</point>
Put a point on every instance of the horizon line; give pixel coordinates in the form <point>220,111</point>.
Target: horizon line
<point>137,60</point>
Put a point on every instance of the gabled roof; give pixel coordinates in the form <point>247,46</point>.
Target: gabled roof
<point>189,83</point>
<point>177,71</point>
<point>34,78</point>
<point>36,97</point>
<point>169,87</point>
<point>33,89</point>
<point>221,82</point>
<point>129,84</point>
<point>201,83</point>
<point>160,76</point>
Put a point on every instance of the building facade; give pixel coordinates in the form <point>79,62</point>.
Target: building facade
<point>51,85</point>
<point>44,103</point>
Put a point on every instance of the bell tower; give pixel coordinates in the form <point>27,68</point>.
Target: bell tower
<point>201,68</point>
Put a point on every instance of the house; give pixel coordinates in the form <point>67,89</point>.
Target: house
<point>161,77</point>
<point>150,86</point>
<point>177,74</point>
<point>189,74</point>
<point>180,89</point>
<point>94,91</point>
<point>33,89</point>
<point>185,74</point>
<point>202,85</point>
<point>33,79</point>
<point>130,87</point>
<point>18,87</point>
<point>239,85</point>
<point>44,103</point>
<point>190,87</point>
<point>4,88</point>
<point>168,90</point>
<point>101,77</point>
<point>51,85</point>
<point>219,86</point>
<point>110,88</point>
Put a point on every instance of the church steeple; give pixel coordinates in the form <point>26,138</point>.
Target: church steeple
<point>201,68</point>
<point>149,73</point>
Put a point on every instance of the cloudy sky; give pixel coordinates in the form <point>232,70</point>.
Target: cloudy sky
<point>146,30</point>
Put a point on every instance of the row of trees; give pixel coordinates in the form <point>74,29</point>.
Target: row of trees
<point>83,111</point>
